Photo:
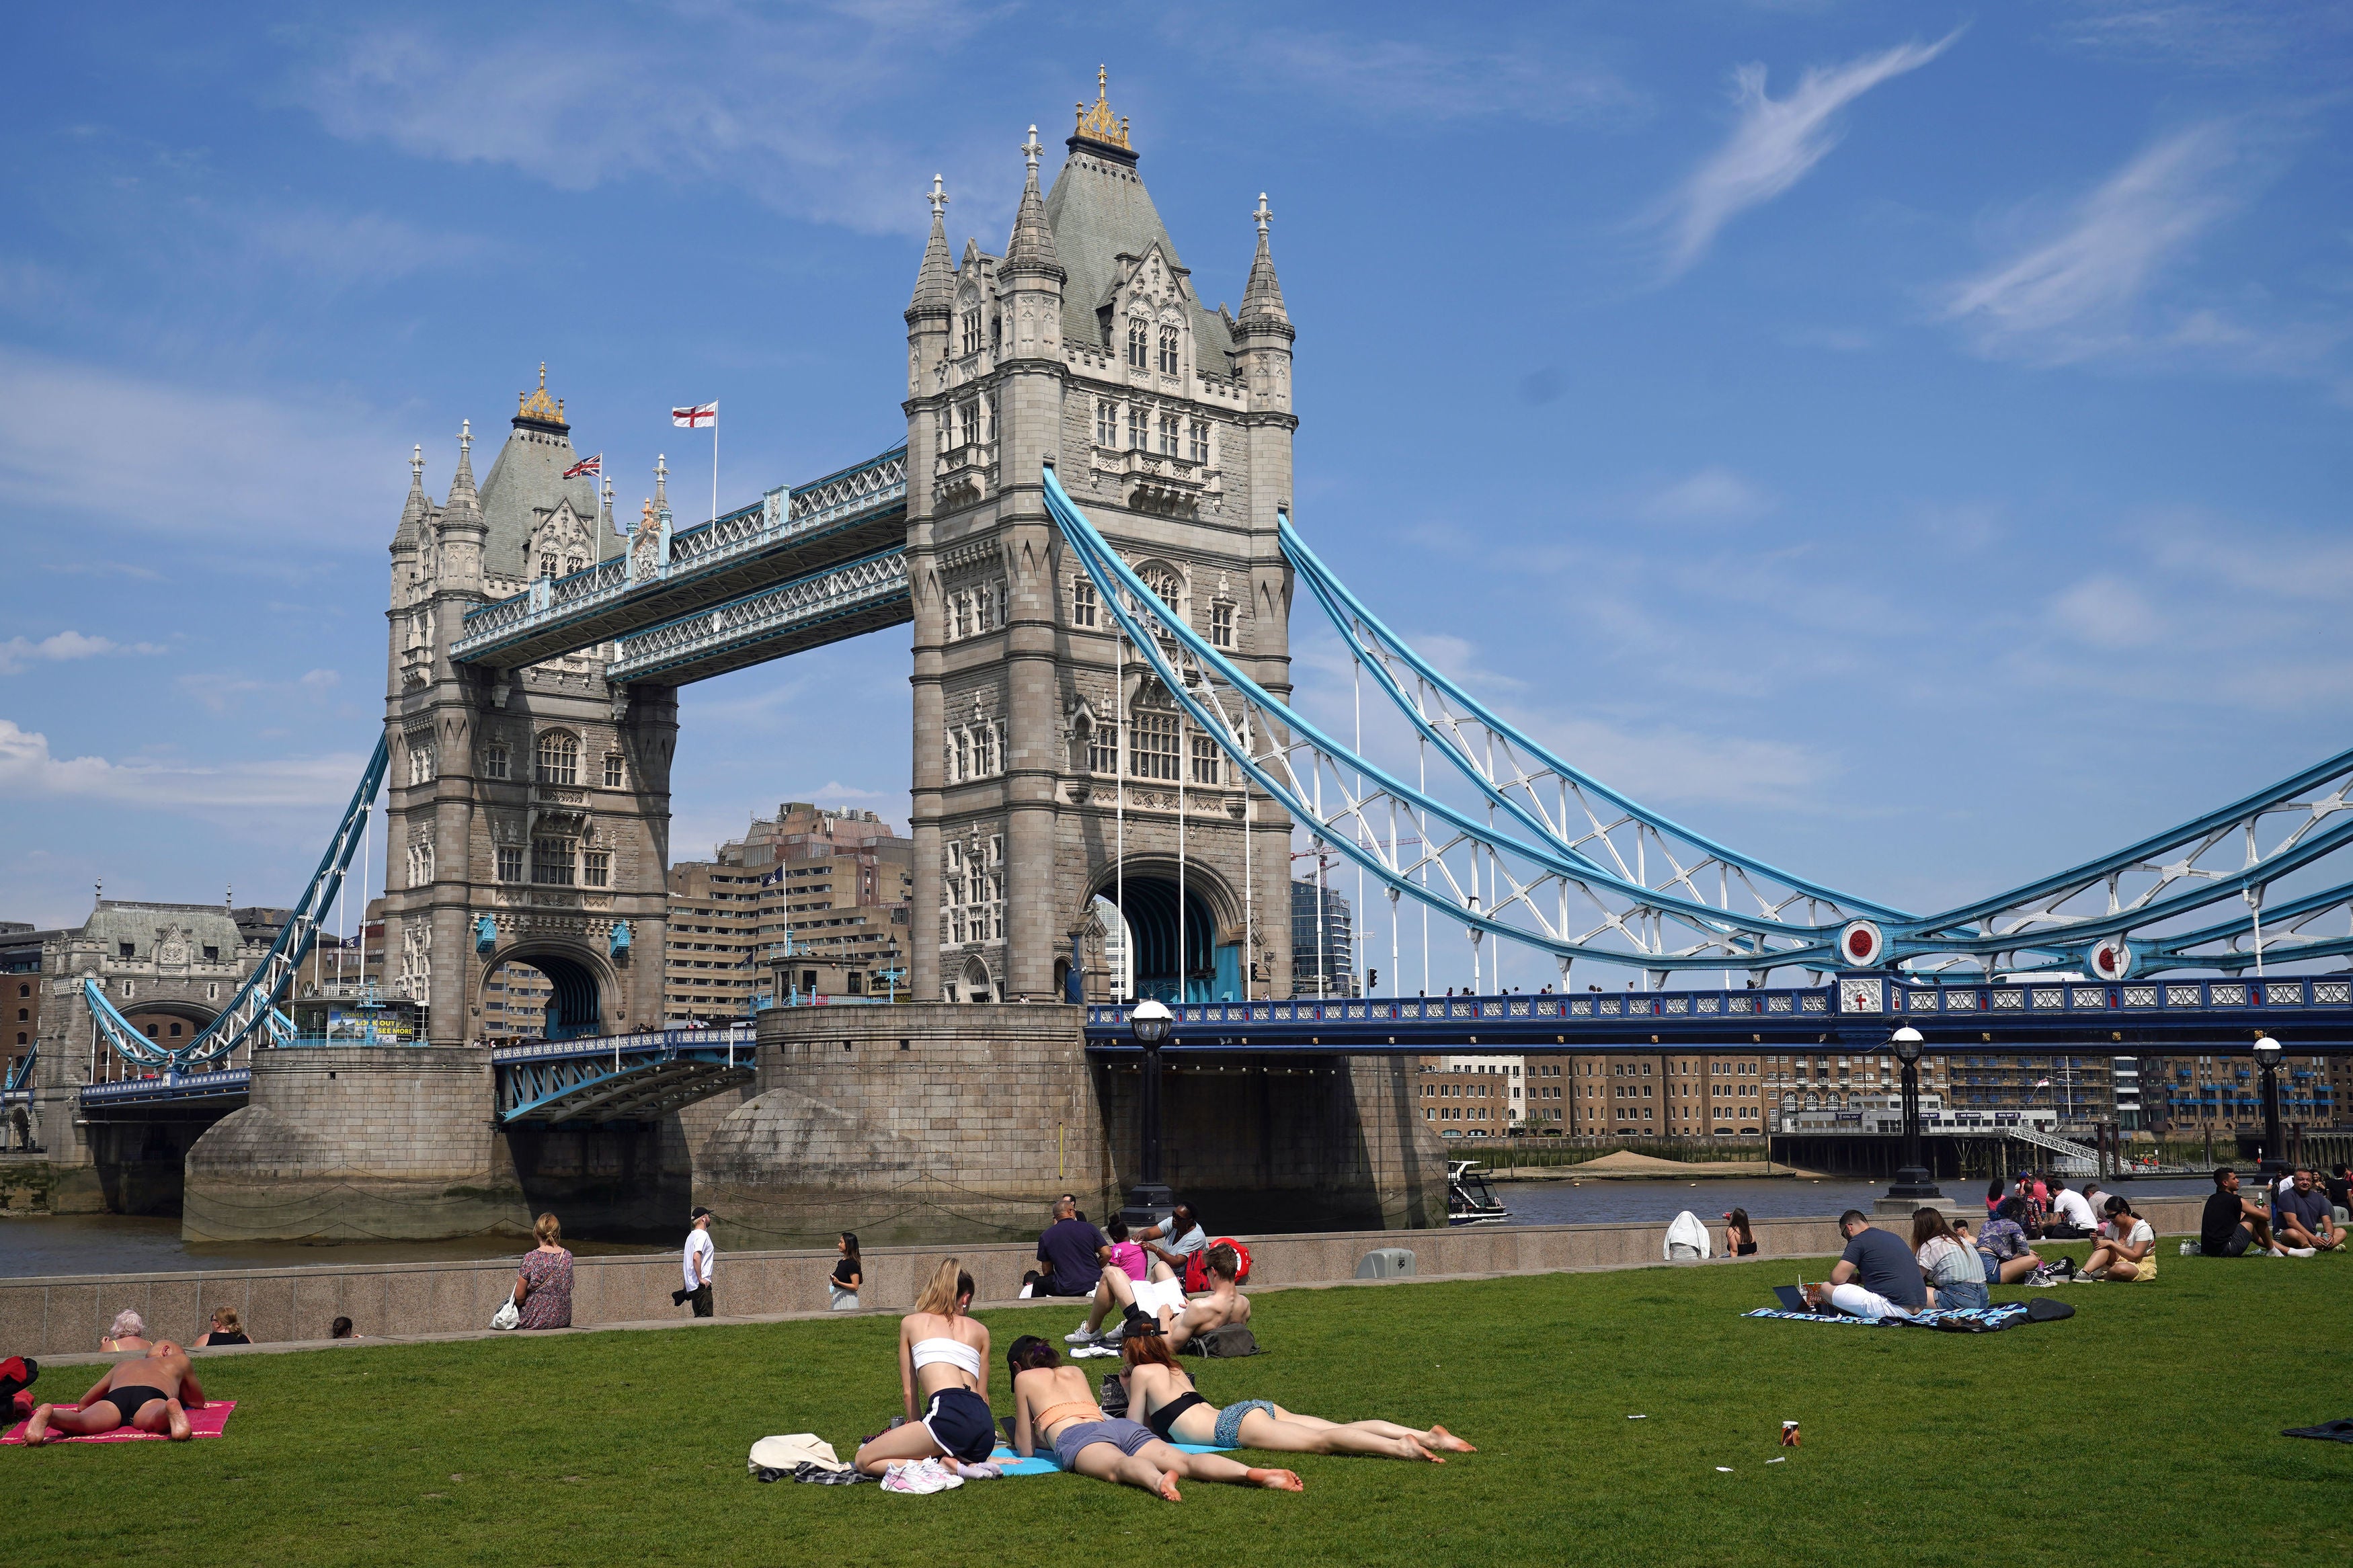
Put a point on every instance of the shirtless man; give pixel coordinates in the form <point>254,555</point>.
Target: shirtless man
<point>1178,1319</point>
<point>153,1393</point>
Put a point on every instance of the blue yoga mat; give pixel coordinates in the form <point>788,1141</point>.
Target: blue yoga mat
<point>1042,1464</point>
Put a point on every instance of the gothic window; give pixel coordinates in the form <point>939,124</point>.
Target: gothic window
<point>1164,584</point>
<point>612,770</point>
<point>988,417</point>
<point>509,862</point>
<point>963,755</point>
<point>559,759</point>
<point>984,749</point>
<point>1102,749</point>
<point>967,418</point>
<point>1106,423</point>
<point>547,567</point>
<point>1136,426</point>
<point>571,565</point>
<point>1206,769</point>
<point>494,762</point>
<point>551,860</point>
<point>1138,344</point>
<point>596,868</point>
<point>420,864</point>
<point>1168,351</point>
<point>1168,435</point>
<point>1152,752</point>
<point>420,761</point>
<point>984,608</point>
<point>963,603</point>
<point>1200,452</point>
<point>972,331</point>
<point>1221,625</point>
<point>1082,600</point>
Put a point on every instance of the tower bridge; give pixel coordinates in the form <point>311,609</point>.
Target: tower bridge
<point>1083,513</point>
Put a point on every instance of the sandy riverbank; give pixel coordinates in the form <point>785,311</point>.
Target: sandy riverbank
<point>1624,1165</point>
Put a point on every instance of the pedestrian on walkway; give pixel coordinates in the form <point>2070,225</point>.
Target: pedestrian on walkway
<point>696,1263</point>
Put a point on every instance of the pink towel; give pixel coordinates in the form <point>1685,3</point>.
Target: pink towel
<point>206,1422</point>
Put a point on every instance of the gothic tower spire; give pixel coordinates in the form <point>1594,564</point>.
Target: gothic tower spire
<point>1262,296</point>
<point>1032,244</point>
<point>417,508</point>
<point>936,278</point>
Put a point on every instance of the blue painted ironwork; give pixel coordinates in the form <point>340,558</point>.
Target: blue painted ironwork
<point>847,600</point>
<point>635,1076</point>
<point>217,1088</point>
<point>247,1014</point>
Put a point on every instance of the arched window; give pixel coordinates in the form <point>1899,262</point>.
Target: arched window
<point>1165,584</point>
<point>559,759</point>
<point>1082,600</point>
<point>1168,435</point>
<point>1139,345</point>
<point>1106,423</point>
<point>1168,351</point>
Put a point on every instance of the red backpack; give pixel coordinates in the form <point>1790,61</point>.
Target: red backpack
<point>1197,1267</point>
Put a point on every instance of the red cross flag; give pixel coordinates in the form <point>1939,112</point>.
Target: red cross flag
<point>595,465</point>
<point>696,418</point>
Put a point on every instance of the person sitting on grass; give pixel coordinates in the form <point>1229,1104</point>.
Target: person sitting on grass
<point>2002,1244</point>
<point>129,1332</point>
<point>944,1363</point>
<point>153,1393</point>
<point>1055,1405</point>
<point>2301,1217</point>
<point>1876,1277</point>
<point>2230,1224</point>
<point>2130,1250</point>
<point>1164,1393</point>
<point>1163,1301</point>
<point>1955,1277</point>
<point>2076,1217</point>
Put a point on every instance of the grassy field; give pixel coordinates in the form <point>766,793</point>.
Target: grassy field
<point>2142,1430</point>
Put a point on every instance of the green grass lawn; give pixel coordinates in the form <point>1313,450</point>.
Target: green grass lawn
<point>2142,1430</point>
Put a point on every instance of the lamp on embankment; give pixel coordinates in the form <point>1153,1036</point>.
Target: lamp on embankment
<point>1912,1183</point>
<point>2267,1056</point>
<point>1149,1199</point>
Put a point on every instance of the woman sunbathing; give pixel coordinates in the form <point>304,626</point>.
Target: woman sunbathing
<point>153,1393</point>
<point>944,1361</point>
<point>1164,1393</point>
<point>1054,1403</point>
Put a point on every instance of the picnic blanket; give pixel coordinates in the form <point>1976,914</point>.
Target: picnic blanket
<point>1953,1319</point>
<point>204,1423</point>
<point>1042,1464</point>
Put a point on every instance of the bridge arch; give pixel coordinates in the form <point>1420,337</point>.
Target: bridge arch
<point>1213,964</point>
<point>579,978</point>
<point>170,1021</point>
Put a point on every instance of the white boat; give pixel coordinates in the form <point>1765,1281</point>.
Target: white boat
<point>1468,1199</point>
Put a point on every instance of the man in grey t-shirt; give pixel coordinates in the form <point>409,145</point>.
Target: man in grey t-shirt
<point>1876,1277</point>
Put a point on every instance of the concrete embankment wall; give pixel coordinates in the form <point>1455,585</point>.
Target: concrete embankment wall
<point>63,1316</point>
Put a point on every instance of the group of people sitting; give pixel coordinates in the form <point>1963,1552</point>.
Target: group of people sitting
<point>1168,1273</point>
<point>1945,1268</point>
<point>2302,1221</point>
<point>950,1428</point>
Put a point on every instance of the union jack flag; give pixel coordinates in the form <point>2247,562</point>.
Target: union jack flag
<point>592,466</point>
<point>696,418</point>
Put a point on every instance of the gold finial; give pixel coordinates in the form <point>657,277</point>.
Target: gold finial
<point>538,405</point>
<point>1099,124</point>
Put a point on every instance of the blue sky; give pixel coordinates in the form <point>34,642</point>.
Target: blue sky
<point>1907,442</point>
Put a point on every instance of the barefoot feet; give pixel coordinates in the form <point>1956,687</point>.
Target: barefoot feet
<point>177,1418</point>
<point>37,1430</point>
<point>1278,1480</point>
<point>1168,1488</point>
<point>1440,1437</point>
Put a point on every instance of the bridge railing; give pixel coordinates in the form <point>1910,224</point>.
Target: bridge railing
<point>805,601</point>
<point>171,1084</point>
<point>734,1037</point>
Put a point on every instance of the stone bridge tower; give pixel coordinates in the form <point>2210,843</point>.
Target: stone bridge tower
<point>529,809</point>
<point>1040,751</point>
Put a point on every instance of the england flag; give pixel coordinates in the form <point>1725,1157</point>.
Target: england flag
<point>696,418</point>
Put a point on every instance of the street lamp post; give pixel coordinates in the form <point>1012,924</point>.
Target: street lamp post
<point>1912,1183</point>
<point>2267,1056</point>
<point>891,975</point>
<point>1148,1199</point>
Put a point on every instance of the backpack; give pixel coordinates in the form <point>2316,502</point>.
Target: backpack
<point>1233,1340</point>
<point>1197,1267</point>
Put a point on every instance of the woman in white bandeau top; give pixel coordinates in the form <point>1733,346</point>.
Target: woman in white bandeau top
<point>943,1373</point>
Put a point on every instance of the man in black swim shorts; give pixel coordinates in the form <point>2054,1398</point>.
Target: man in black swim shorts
<point>153,1393</point>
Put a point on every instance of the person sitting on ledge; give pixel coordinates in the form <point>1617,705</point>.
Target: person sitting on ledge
<point>2002,1244</point>
<point>1161,1301</point>
<point>128,1333</point>
<point>341,1329</point>
<point>1164,1393</point>
<point>228,1329</point>
<point>944,1363</point>
<point>1073,1252</point>
<point>2301,1217</point>
<point>2130,1251</point>
<point>1183,1233</point>
<point>153,1393</point>
<point>1055,1405</point>
<point>2230,1224</point>
<point>1739,1236</point>
<point>1876,1276</point>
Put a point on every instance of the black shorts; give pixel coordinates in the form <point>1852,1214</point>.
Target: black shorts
<point>959,1422</point>
<point>2240,1239</point>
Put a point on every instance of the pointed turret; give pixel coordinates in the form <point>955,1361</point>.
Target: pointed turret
<point>935,279</point>
<point>662,483</point>
<point>417,509</point>
<point>1032,245</point>
<point>605,510</point>
<point>1262,297</point>
<point>461,528</point>
<point>461,483</point>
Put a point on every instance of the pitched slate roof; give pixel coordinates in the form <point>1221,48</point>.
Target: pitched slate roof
<point>526,480</point>
<point>1100,211</point>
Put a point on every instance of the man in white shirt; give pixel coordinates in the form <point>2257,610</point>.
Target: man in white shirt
<point>2073,1216</point>
<point>696,1264</point>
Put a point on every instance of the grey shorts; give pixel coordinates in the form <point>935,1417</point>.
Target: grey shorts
<point>1128,1436</point>
<point>1229,1432</point>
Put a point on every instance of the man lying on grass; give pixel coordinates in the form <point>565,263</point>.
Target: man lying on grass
<point>153,1393</point>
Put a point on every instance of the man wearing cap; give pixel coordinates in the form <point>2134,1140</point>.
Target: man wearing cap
<point>696,1265</point>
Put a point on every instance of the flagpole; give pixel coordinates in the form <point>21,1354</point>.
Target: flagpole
<point>714,462</point>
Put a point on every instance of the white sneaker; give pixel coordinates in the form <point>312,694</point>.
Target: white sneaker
<point>2302,1252</point>
<point>1082,1335</point>
<point>947,1478</point>
<point>913,1480</point>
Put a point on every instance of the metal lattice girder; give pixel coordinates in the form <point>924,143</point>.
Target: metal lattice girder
<point>844,601</point>
<point>853,512</point>
<point>1536,893</point>
<point>627,1077</point>
<point>1611,831</point>
<point>252,1010</point>
<point>132,1099</point>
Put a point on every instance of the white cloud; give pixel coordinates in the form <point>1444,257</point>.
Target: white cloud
<point>208,463</point>
<point>18,654</point>
<point>1714,494</point>
<point>2106,613</point>
<point>1775,143</point>
<point>2067,297</point>
<point>1391,76</point>
<point>28,771</point>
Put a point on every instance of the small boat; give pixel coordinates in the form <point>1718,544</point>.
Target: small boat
<point>1468,1199</point>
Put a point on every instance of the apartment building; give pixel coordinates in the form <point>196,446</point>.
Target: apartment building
<point>1466,1097</point>
<point>2225,1094</point>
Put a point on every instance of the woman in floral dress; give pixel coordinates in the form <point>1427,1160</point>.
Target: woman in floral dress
<point>544,1286</point>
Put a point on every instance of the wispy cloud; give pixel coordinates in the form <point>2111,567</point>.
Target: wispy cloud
<point>2068,297</point>
<point>1714,494</point>
<point>1424,80</point>
<point>357,247</point>
<point>2207,35</point>
<point>20,653</point>
<point>2106,613</point>
<point>29,770</point>
<point>1773,145</point>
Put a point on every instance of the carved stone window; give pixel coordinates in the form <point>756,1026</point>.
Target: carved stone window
<point>420,760</point>
<point>1200,447</point>
<point>1137,422</point>
<point>1221,625</point>
<point>1207,762</point>
<point>596,868</point>
<point>1082,601</point>
<point>1168,351</point>
<point>559,759</point>
<point>1169,424</point>
<point>1139,345</point>
<point>612,770</point>
<point>509,862</point>
<point>971,324</point>
<point>495,763</point>
<point>1102,749</point>
<point>1152,751</point>
<point>552,860</point>
<point>1106,423</point>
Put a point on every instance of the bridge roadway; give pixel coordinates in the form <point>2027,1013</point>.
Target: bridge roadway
<point>2158,1017</point>
<point>795,570</point>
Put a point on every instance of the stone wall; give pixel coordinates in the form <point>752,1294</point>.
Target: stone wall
<point>346,1142</point>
